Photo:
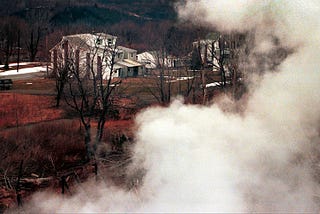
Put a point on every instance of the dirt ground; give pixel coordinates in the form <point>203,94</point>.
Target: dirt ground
<point>21,109</point>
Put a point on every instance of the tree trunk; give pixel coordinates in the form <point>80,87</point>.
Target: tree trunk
<point>234,83</point>
<point>59,94</point>
<point>18,60</point>
<point>162,85</point>
<point>223,75</point>
<point>18,186</point>
<point>7,56</point>
<point>31,58</point>
<point>179,82</point>
<point>204,88</point>
<point>221,62</point>
<point>55,63</point>
<point>33,45</point>
<point>87,141</point>
<point>168,95</point>
<point>60,83</point>
<point>100,127</point>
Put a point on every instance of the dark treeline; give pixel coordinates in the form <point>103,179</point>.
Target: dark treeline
<point>31,28</point>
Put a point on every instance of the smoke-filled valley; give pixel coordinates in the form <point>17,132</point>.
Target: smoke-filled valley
<point>260,156</point>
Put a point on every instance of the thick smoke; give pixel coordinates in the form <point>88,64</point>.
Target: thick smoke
<point>202,159</point>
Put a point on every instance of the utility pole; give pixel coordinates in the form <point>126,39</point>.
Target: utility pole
<point>47,56</point>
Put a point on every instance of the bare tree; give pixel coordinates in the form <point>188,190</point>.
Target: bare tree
<point>237,51</point>
<point>60,72</point>
<point>9,36</point>
<point>38,21</point>
<point>89,88</point>
<point>171,59</point>
<point>196,66</point>
<point>159,58</point>
<point>33,42</point>
<point>220,54</point>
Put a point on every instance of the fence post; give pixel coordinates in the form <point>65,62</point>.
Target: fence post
<point>18,187</point>
<point>95,165</point>
<point>64,184</point>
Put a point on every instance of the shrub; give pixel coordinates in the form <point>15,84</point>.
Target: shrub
<point>45,148</point>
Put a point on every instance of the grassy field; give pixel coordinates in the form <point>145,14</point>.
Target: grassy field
<point>34,86</point>
<point>21,109</point>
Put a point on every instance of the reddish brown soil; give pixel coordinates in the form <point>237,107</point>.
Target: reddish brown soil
<point>20,109</point>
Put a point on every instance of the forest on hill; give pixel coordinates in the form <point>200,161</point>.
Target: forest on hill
<point>35,26</point>
<point>93,12</point>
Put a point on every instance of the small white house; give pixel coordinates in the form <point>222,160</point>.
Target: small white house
<point>127,64</point>
<point>156,59</point>
<point>210,51</point>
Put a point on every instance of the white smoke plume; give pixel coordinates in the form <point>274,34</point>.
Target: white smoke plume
<point>202,159</point>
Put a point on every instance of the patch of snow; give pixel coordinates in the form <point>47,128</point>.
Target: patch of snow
<point>215,84</point>
<point>24,71</point>
<point>15,64</point>
<point>185,78</point>
<point>180,79</point>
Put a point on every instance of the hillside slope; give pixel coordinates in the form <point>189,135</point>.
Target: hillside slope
<point>92,12</point>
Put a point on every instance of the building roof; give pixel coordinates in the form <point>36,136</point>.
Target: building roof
<point>85,40</point>
<point>77,41</point>
<point>127,63</point>
<point>91,35</point>
<point>129,50</point>
<point>204,42</point>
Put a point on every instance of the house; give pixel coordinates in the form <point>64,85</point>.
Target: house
<point>149,59</point>
<point>211,53</point>
<point>127,64</point>
<point>158,59</point>
<point>209,50</point>
<point>96,54</point>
